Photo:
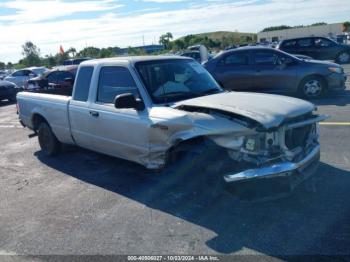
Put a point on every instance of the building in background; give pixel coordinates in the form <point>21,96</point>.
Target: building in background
<point>329,30</point>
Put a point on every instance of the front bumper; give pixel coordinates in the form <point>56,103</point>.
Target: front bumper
<point>304,167</point>
<point>336,81</point>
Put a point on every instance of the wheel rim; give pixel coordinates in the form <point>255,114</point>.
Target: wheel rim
<point>312,88</point>
<point>344,57</point>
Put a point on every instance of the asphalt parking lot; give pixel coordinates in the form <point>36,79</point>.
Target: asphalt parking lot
<point>82,202</point>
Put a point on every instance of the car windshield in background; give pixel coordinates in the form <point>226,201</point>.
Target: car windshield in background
<point>173,80</point>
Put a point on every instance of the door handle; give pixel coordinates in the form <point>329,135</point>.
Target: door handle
<point>94,113</point>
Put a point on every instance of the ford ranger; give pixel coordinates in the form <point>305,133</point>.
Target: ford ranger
<point>148,109</point>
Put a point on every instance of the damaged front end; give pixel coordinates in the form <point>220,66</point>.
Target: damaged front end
<point>288,153</point>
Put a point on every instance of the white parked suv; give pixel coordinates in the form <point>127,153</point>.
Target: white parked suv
<point>20,77</point>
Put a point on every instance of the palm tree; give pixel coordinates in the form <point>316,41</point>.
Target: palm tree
<point>72,51</point>
<point>169,36</point>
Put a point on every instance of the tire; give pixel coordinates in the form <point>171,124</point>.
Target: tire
<point>343,57</point>
<point>12,98</point>
<point>47,140</point>
<point>312,87</point>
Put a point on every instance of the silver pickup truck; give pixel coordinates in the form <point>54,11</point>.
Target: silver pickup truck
<point>150,110</point>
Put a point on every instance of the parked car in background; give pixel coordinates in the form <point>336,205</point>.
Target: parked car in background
<point>3,74</point>
<point>8,91</point>
<point>75,61</point>
<point>193,54</point>
<point>58,81</point>
<point>269,70</point>
<point>320,48</point>
<point>38,70</point>
<point>20,77</point>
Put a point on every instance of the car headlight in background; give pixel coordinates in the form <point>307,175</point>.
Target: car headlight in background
<point>338,70</point>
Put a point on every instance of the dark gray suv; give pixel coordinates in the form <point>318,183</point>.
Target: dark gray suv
<point>269,70</point>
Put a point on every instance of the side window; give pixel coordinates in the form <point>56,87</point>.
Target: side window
<point>236,59</point>
<point>114,80</point>
<point>290,43</point>
<point>323,42</point>
<point>52,77</point>
<point>265,58</point>
<point>18,73</point>
<point>82,84</point>
<point>62,75</point>
<point>305,42</point>
<point>28,72</point>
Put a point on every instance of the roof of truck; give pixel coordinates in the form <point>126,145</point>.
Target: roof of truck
<point>132,59</point>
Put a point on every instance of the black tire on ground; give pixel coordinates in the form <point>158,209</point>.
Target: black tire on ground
<point>343,58</point>
<point>12,99</point>
<point>47,140</point>
<point>312,87</point>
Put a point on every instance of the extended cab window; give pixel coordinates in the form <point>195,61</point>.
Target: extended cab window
<point>82,85</point>
<point>114,80</point>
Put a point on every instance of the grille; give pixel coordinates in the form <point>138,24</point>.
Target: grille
<point>297,137</point>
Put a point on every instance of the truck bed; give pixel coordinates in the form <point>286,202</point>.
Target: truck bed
<point>54,108</point>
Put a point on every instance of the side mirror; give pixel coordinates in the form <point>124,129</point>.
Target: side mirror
<point>69,80</point>
<point>128,100</point>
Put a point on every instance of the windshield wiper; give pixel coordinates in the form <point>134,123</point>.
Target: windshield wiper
<point>176,93</point>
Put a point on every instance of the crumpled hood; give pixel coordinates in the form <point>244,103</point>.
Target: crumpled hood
<point>269,110</point>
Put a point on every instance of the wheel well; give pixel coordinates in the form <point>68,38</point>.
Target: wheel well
<point>316,75</point>
<point>37,119</point>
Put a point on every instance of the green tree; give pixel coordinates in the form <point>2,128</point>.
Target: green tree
<point>9,65</point>
<point>50,61</point>
<point>106,52</point>
<point>346,26</point>
<point>318,23</point>
<point>274,28</point>
<point>136,51</point>
<point>2,65</point>
<point>90,51</point>
<point>31,55</point>
<point>165,39</point>
<point>72,51</point>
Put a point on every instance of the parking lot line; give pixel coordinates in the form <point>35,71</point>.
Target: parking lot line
<point>335,123</point>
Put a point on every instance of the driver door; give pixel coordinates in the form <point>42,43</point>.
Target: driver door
<point>118,132</point>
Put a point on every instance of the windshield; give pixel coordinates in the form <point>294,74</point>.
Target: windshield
<point>176,79</point>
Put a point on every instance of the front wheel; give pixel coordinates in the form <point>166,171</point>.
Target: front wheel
<point>312,87</point>
<point>343,58</point>
<point>47,140</point>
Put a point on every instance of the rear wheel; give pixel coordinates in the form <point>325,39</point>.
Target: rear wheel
<point>312,87</point>
<point>343,58</point>
<point>47,140</point>
<point>12,98</point>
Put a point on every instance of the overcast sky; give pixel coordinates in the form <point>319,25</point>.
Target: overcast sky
<point>49,24</point>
